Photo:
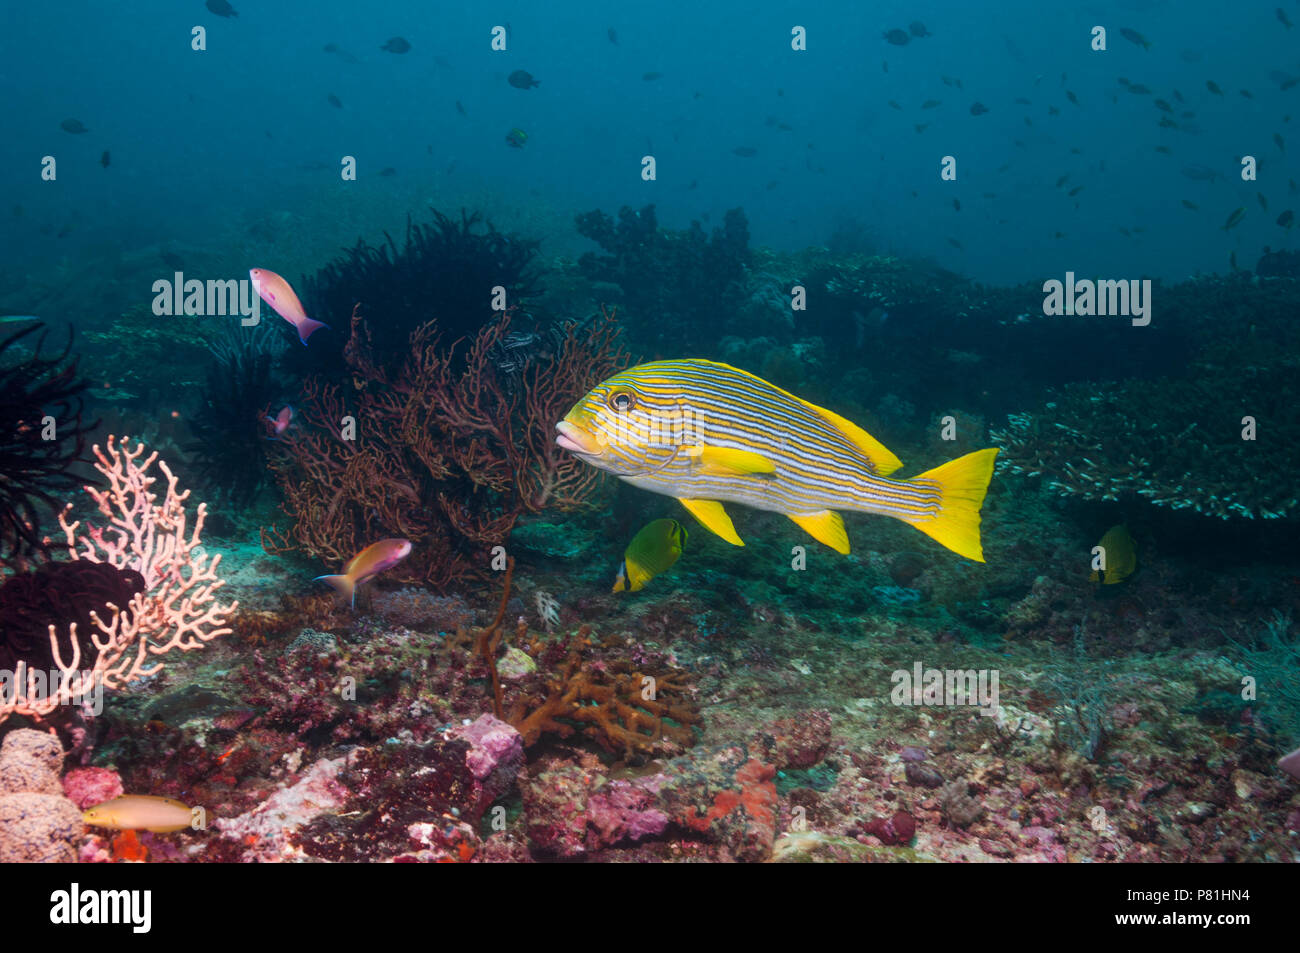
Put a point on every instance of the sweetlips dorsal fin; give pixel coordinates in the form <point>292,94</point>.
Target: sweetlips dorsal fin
<point>713,518</point>
<point>880,456</point>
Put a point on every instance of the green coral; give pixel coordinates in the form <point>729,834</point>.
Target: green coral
<point>1272,660</point>
<point>141,351</point>
<point>1175,443</point>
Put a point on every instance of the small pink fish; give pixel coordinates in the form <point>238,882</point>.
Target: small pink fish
<point>280,422</point>
<point>367,564</point>
<point>276,292</point>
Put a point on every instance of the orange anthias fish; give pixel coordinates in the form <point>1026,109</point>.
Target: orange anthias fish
<point>276,292</point>
<point>367,564</point>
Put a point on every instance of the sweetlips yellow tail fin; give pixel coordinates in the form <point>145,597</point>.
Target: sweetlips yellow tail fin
<point>963,483</point>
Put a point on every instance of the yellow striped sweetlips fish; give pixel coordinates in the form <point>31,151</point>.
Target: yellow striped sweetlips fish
<point>708,434</point>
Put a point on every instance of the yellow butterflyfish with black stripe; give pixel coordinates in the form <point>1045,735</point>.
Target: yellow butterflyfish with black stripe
<point>1118,556</point>
<point>708,433</point>
<point>652,551</point>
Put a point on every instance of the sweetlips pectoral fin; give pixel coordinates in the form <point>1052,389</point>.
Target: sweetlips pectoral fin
<point>713,517</point>
<point>825,527</point>
<point>728,461</point>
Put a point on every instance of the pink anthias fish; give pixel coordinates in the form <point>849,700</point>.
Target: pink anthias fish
<point>276,292</point>
<point>367,564</point>
<point>280,422</point>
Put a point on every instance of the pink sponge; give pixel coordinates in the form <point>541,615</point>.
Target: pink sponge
<point>87,787</point>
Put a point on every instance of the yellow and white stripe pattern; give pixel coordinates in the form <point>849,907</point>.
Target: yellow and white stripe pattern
<point>708,433</point>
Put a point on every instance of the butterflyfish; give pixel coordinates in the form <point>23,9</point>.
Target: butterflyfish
<point>652,551</point>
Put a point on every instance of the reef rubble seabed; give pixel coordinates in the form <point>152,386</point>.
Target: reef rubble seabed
<point>799,752</point>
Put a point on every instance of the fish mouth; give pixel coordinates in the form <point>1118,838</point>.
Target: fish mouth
<point>576,440</point>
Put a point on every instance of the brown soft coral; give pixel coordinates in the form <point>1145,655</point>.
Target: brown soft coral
<point>627,711</point>
<point>591,687</point>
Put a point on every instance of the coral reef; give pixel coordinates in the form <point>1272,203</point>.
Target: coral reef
<point>1278,264</point>
<point>159,561</point>
<point>740,707</point>
<point>1173,443</point>
<point>676,285</point>
<point>402,802</point>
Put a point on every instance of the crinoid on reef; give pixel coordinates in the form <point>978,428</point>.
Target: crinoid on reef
<point>440,273</point>
<point>41,436</point>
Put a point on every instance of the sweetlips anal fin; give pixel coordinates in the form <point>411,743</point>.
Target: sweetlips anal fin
<point>714,518</point>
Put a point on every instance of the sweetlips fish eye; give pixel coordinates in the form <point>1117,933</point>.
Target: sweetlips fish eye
<point>621,401</point>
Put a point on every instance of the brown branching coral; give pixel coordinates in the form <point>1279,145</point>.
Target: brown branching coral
<point>445,450</point>
<point>593,688</point>
<point>629,712</point>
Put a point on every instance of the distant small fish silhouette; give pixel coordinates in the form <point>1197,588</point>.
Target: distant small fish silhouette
<point>978,109</point>
<point>1133,36</point>
<point>652,76</point>
<point>613,37</point>
<point>397,45</point>
<point>461,109</point>
<point>1235,218</point>
<point>522,79</point>
<point>334,101</point>
<point>73,126</point>
<point>745,151</point>
<point>104,159</point>
<point>221,8</point>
